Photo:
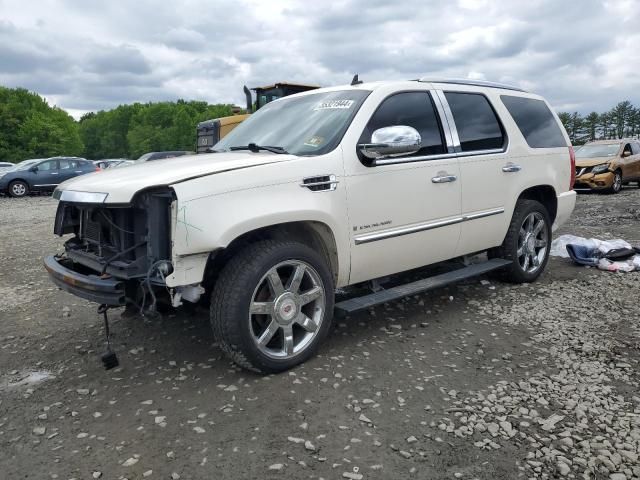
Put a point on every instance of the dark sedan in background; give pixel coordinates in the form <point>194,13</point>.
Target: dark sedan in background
<point>42,174</point>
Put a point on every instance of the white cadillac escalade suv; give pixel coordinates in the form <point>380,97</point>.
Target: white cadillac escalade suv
<point>320,191</point>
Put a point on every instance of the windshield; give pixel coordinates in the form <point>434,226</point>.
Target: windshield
<point>601,150</point>
<point>25,164</point>
<point>145,157</point>
<point>309,125</point>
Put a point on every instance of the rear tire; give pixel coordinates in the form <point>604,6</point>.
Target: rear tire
<point>526,244</point>
<point>18,189</point>
<point>272,305</point>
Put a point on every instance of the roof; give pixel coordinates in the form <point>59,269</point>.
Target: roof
<point>611,141</point>
<point>286,84</point>
<point>467,81</point>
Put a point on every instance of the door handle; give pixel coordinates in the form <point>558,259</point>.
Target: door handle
<point>53,173</point>
<point>511,168</point>
<point>444,179</point>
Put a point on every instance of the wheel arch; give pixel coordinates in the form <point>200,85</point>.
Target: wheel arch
<point>317,235</point>
<point>546,195</point>
<point>19,179</point>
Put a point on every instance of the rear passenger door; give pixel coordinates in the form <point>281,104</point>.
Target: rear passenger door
<point>481,142</point>
<point>69,168</point>
<point>635,160</point>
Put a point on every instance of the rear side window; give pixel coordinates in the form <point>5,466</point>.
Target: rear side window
<point>536,122</point>
<point>413,109</point>
<point>477,124</point>
<point>66,164</point>
<point>635,148</point>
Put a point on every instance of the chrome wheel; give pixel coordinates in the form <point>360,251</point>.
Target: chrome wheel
<point>287,309</point>
<point>532,242</point>
<point>617,182</point>
<point>18,189</point>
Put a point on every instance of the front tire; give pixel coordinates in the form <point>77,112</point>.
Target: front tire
<point>18,189</point>
<point>616,186</point>
<point>272,305</point>
<point>526,244</point>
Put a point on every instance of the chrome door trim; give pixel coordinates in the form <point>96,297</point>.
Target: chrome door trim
<point>392,161</point>
<point>449,117</point>
<point>446,128</point>
<point>421,227</point>
<point>406,230</point>
<point>486,213</point>
<point>442,156</point>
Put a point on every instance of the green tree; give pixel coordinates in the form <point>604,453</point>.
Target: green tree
<point>620,116</point>
<point>132,130</point>
<point>30,127</point>
<point>590,124</point>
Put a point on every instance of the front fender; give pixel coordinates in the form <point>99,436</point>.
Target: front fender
<point>210,223</point>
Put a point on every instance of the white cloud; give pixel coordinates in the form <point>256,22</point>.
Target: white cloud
<point>580,54</point>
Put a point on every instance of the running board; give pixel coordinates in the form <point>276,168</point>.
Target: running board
<point>360,303</point>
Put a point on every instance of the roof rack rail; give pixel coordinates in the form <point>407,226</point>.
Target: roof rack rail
<point>477,83</point>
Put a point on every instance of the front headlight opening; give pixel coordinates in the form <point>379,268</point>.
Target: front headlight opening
<point>600,168</point>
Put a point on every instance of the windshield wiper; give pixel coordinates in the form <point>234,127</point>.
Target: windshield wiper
<point>252,147</point>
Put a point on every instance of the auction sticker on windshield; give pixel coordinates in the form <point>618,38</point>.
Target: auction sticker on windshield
<point>314,141</point>
<point>334,104</point>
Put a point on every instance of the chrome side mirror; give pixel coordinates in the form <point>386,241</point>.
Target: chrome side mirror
<point>391,142</point>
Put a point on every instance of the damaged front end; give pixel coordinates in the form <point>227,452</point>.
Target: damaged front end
<point>119,253</point>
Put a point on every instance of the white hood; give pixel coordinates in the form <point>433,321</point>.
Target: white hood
<point>121,184</point>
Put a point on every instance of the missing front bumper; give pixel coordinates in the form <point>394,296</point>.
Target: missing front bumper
<point>91,287</point>
<point>589,181</point>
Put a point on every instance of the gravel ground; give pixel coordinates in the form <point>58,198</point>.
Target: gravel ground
<point>481,381</point>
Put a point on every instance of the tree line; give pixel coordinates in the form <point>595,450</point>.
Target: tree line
<point>621,121</point>
<point>31,128</point>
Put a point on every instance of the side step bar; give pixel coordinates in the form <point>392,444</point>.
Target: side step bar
<point>360,303</point>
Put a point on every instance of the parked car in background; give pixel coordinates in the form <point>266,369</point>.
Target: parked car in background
<point>42,174</point>
<point>111,162</point>
<point>607,165</point>
<point>148,157</point>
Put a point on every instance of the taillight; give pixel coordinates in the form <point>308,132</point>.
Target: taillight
<point>572,156</point>
<point>98,169</point>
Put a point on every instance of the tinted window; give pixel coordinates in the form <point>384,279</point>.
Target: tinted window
<point>67,164</point>
<point>536,122</point>
<point>413,109</point>
<point>477,124</point>
<point>46,166</point>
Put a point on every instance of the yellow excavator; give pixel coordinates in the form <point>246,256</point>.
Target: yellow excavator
<point>210,132</point>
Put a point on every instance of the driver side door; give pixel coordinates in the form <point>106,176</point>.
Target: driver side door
<point>46,177</point>
<point>634,161</point>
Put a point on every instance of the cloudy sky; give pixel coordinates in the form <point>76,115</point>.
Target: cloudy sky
<point>85,55</point>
